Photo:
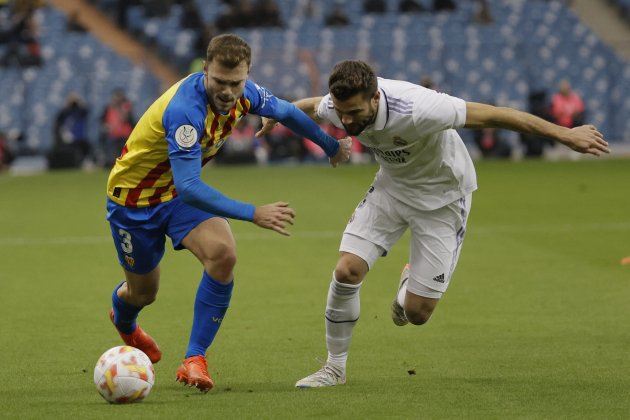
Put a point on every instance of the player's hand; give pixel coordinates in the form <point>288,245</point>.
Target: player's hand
<point>586,139</point>
<point>267,125</point>
<point>343,154</point>
<point>274,216</point>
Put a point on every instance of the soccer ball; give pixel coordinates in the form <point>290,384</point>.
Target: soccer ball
<point>124,374</point>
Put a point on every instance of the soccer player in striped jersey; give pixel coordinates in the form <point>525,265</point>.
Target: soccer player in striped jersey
<point>155,190</point>
<point>425,183</point>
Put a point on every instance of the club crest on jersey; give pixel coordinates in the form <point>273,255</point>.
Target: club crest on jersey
<point>130,261</point>
<point>399,141</point>
<point>186,136</point>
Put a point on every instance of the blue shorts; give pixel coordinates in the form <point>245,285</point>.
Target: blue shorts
<point>140,233</point>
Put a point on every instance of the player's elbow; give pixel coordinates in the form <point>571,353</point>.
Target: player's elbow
<point>186,194</point>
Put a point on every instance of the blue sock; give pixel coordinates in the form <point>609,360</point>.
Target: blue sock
<point>124,314</point>
<point>211,304</point>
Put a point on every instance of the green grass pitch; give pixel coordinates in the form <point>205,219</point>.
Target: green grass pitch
<point>534,324</point>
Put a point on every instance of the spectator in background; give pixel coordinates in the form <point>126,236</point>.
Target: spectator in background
<point>6,156</point>
<point>410,6</point>
<point>492,143</point>
<point>567,108</point>
<point>201,44</point>
<point>70,133</point>
<point>228,19</point>
<point>191,17</point>
<point>122,6</point>
<point>74,23</point>
<point>534,145</point>
<point>444,5</point>
<point>310,9</point>
<point>239,14</point>
<point>483,15</point>
<point>267,14</point>
<point>427,82</point>
<point>337,17</point>
<point>245,14</point>
<point>117,124</point>
<point>283,145</point>
<point>154,8</point>
<point>374,6</point>
<point>23,47</point>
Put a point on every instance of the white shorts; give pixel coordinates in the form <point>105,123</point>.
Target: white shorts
<point>436,237</point>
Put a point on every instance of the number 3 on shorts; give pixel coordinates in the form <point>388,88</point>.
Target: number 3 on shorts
<point>125,244</point>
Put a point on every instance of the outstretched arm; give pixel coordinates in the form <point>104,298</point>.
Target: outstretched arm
<point>583,139</point>
<point>301,118</point>
<point>306,105</point>
<point>193,191</point>
<point>309,107</point>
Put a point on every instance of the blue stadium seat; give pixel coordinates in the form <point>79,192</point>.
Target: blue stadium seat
<point>75,62</point>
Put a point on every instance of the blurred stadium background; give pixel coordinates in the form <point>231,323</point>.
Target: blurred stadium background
<point>533,326</point>
<point>524,48</point>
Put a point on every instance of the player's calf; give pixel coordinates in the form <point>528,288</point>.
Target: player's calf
<point>418,309</point>
<point>418,316</point>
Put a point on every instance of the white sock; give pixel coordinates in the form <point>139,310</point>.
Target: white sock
<point>342,312</point>
<point>402,294</point>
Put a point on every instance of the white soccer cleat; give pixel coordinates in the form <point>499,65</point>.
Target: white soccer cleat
<point>398,312</point>
<point>326,376</point>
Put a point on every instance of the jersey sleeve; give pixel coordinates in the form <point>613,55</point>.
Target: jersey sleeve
<point>325,108</point>
<point>183,127</point>
<point>435,111</point>
<point>326,111</point>
<point>265,104</point>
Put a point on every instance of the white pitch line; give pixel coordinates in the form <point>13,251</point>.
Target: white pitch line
<point>327,234</point>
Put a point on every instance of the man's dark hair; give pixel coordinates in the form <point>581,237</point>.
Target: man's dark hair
<point>229,50</point>
<point>351,77</point>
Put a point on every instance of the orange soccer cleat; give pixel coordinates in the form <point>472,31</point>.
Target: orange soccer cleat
<point>140,340</point>
<point>194,371</point>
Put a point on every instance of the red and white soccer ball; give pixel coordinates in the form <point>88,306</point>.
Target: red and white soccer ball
<point>124,374</point>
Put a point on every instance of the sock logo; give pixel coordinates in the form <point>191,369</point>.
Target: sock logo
<point>439,279</point>
<point>217,319</point>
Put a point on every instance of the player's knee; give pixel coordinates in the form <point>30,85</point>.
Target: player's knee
<point>418,316</point>
<point>346,273</point>
<point>222,257</point>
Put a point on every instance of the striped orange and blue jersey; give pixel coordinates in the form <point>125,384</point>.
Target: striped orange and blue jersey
<point>142,176</point>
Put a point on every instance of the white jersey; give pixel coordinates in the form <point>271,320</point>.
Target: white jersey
<point>423,161</point>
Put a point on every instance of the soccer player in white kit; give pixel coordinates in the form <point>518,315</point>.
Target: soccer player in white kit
<point>425,183</point>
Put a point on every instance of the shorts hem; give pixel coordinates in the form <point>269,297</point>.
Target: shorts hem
<point>433,293</point>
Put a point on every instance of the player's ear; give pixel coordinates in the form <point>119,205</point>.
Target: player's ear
<point>376,97</point>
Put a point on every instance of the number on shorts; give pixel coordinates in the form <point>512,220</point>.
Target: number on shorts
<point>125,244</point>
